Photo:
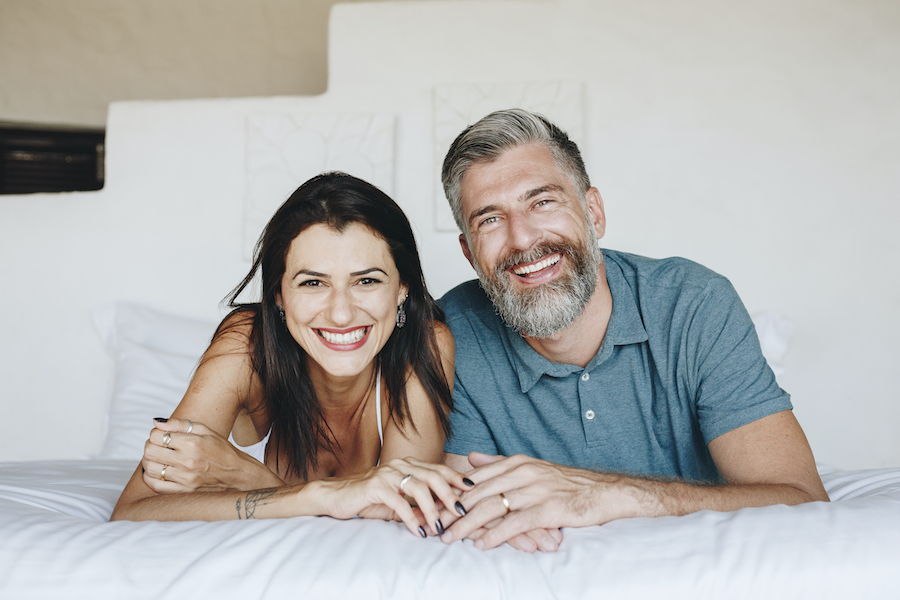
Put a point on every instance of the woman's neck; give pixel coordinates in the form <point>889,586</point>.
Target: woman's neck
<point>341,394</point>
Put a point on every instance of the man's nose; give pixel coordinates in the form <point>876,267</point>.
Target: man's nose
<point>523,231</point>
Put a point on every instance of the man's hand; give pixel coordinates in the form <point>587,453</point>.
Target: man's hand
<point>541,495</point>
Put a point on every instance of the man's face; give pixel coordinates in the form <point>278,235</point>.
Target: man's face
<point>530,239</point>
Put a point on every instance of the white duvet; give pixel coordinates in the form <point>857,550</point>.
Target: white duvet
<point>55,543</point>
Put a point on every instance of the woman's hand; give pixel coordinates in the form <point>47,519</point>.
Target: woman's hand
<point>199,461</point>
<point>376,494</point>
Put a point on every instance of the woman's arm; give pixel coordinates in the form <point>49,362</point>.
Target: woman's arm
<point>223,385</point>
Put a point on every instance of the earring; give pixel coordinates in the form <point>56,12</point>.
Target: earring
<point>281,314</point>
<point>401,315</point>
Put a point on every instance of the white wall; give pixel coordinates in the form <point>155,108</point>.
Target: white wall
<point>754,137</point>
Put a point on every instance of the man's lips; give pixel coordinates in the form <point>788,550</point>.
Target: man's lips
<point>533,269</point>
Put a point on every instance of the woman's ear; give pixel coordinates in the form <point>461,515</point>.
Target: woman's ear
<point>404,292</point>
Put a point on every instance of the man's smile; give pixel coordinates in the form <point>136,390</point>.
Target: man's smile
<point>528,270</point>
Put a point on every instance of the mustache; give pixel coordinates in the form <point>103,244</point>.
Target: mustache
<point>536,253</point>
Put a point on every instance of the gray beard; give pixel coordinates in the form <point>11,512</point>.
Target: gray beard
<point>549,308</point>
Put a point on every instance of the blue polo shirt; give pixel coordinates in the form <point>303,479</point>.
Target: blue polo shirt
<point>679,366</point>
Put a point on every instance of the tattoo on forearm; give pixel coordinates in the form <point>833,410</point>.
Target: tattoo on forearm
<point>251,501</point>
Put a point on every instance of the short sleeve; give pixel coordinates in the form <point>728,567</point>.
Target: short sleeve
<point>470,432</point>
<point>734,383</point>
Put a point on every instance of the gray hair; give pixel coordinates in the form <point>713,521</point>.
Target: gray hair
<point>500,131</point>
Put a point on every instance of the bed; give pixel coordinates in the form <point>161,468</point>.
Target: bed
<point>55,541</point>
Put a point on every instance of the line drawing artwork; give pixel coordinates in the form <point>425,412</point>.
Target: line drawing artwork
<point>284,150</point>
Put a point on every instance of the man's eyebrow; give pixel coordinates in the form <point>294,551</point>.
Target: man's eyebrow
<point>550,187</point>
<point>481,211</point>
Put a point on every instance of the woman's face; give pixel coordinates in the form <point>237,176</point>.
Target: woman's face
<point>340,293</point>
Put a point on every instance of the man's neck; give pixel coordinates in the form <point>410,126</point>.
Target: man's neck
<point>578,343</point>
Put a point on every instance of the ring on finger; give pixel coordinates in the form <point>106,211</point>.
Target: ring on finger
<point>162,474</point>
<point>167,438</point>
<point>190,426</point>
<point>505,502</point>
<point>404,481</point>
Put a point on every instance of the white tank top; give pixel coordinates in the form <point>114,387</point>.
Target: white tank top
<point>258,450</point>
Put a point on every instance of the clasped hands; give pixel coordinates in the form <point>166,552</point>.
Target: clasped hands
<point>540,497</point>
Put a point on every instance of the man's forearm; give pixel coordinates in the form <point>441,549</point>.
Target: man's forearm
<point>616,497</point>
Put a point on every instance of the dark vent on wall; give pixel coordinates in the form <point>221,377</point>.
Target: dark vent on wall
<point>38,158</point>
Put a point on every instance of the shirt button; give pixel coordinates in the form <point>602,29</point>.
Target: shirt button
<point>589,415</point>
<point>586,376</point>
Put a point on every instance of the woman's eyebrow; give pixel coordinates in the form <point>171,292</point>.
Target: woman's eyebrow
<point>369,270</point>
<point>310,273</point>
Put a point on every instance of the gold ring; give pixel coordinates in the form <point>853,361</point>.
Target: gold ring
<point>190,426</point>
<point>505,502</point>
<point>167,438</point>
<point>162,474</point>
<point>404,481</point>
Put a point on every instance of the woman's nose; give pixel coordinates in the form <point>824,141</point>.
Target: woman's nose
<point>340,307</point>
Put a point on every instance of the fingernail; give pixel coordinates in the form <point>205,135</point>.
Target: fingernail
<point>460,509</point>
<point>479,544</point>
<point>468,482</point>
<point>439,526</point>
<point>422,532</point>
<point>447,537</point>
<point>160,419</point>
<point>548,546</point>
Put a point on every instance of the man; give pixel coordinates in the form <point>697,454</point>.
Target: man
<point>616,385</point>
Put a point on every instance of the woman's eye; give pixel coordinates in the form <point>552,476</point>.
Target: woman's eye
<point>310,283</point>
<point>369,281</point>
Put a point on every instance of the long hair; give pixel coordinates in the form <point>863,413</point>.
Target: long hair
<point>336,200</point>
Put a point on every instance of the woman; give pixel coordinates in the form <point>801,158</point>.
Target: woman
<point>339,379</point>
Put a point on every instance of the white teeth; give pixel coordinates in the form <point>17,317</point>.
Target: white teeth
<point>538,265</point>
<point>343,338</point>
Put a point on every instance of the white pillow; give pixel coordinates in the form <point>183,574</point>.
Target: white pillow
<point>774,332</point>
<point>155,356</point>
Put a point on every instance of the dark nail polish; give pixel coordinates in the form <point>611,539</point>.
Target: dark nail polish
<point>422,532</point>
<point>468,482</point>
<point>439,526</point>
<point>160,419</point>
<point>460,509</point>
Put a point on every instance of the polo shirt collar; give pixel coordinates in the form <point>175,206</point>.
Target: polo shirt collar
<point>625,327</point>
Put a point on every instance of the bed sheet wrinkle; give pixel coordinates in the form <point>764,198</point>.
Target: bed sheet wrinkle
<point>56,546</point>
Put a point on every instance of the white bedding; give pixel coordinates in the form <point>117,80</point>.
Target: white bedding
<point>55,543</point>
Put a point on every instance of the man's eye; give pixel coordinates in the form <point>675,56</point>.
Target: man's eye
<point>490,220</point>
<point>542,202</point>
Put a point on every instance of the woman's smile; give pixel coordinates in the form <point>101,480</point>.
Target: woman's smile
<point>342,341</point>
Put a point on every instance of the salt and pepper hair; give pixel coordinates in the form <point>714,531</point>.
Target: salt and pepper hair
<point>498,132</point>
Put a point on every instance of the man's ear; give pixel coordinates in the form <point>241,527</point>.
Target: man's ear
<point>464,244</point>
<point>595,207</point>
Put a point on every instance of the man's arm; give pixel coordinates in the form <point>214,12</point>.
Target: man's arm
<point>764,462</point>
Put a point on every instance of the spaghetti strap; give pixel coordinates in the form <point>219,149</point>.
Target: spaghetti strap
<point>378,414</point>
<point>378,408</point>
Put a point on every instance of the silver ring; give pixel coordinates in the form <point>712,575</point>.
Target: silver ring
<point>167,439</point>
<point>190,426</point>
<point>505,502</point>
<point>162,474</point>
<point>404,481</point>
